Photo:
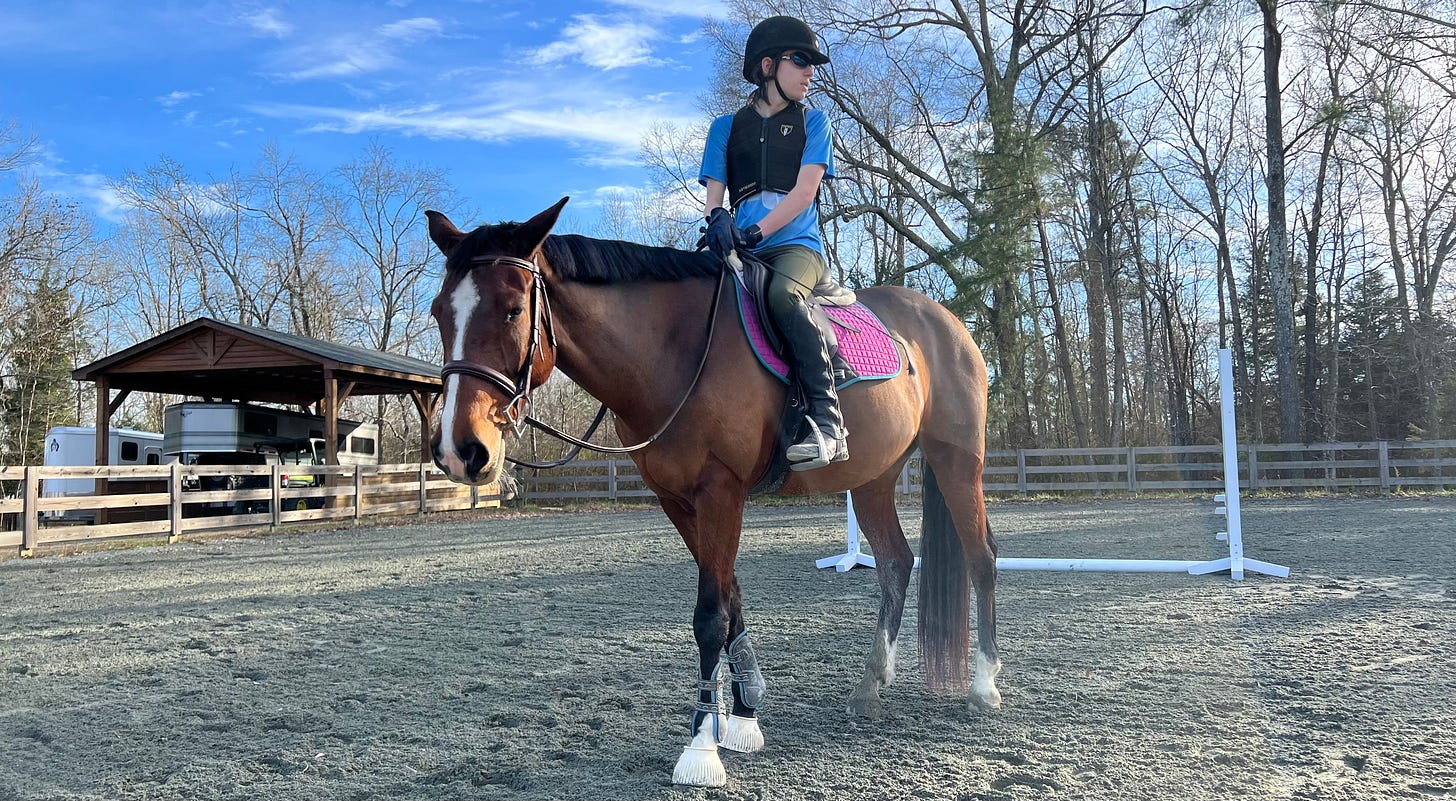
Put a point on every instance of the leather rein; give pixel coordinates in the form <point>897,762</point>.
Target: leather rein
<point>518,388</point>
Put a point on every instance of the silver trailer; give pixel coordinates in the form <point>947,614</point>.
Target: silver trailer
<point>196,428</point>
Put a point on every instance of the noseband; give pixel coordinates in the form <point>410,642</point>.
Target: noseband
<point>517,388</point>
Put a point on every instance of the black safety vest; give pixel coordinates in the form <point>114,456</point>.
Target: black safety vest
<point>764,153</point>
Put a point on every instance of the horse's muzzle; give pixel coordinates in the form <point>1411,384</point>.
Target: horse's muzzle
<point>470,462</point>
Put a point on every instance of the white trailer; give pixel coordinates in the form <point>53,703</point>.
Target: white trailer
<point>75,446</point>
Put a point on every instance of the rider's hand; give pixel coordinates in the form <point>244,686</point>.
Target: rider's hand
<point>720,235</point>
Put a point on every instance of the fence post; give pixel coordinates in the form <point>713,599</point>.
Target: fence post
<point>1132,471</point>
<point>474,496</point>
<point>275,476</point>
<point>1384,452</point>
<point>1021,471</point>
<point>174,497</point>
<point>612,480</point>
<point>30,512</point>
<point>423,489</point>
<point>1253,468</point>
<point>358,491</point>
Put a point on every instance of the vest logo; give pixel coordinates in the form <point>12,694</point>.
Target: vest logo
<point>785,130</point>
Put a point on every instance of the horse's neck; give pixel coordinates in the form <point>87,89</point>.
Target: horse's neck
<point>633,346</point>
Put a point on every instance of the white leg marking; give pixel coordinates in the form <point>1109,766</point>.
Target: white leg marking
<point>983,687</point>
<point>462,304</point>
<point>699,765</point>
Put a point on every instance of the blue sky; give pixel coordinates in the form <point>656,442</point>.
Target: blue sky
<point>521,102</point>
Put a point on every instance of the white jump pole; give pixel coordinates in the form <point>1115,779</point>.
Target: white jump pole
<point>1235,562</point>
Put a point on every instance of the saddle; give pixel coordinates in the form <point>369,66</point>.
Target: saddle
<point>860,348</point>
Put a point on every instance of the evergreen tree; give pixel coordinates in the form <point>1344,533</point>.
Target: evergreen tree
<point>35,393</point>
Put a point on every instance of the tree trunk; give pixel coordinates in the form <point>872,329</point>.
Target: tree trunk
<point>1280,285</point>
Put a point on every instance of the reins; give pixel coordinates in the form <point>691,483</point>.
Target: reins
<point>519,388</point>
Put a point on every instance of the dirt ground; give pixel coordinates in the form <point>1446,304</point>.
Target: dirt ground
<point>551,656</point>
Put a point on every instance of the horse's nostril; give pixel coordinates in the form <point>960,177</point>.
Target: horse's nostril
<point>475,456</point>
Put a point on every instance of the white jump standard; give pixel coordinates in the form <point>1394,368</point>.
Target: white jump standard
<point>1235,563</point>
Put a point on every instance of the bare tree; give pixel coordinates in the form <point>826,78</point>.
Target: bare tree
<point>292,237</point>
<point>213,228</point>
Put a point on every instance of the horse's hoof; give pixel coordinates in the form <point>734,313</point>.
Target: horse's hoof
<point>742,735</point>
<point>699,766</point>
<point>866,706</point>
<point>988,700</point>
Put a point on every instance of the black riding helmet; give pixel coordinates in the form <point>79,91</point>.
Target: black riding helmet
<point>777,35</point>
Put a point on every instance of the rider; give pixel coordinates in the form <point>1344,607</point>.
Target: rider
<point>770,158</point>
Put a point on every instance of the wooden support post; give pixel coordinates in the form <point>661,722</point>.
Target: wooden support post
<point>424,490</point>
<point>1021,471</point>
<point>275,505</point>
<point>1132,487</point>
<point>1384,453</point>
<point>1253,468</point>
<point>30,512</point>
<point>425,405</point>
<point>174,495</point>
<point>331,431</point>
<point>103,439</point>
<point>358,491</point>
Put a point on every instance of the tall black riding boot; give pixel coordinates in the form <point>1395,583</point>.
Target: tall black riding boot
<point>809,352</point>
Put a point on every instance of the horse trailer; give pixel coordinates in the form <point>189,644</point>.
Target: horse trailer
<point>75,446</point>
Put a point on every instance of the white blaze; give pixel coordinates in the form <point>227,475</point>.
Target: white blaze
<point>462,304</point>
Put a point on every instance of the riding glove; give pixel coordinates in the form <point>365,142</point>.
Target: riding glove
<point>720,235</point>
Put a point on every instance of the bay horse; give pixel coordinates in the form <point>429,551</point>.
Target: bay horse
<point>625,322</point>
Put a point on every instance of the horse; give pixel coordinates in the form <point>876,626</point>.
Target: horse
<point>625,323</point>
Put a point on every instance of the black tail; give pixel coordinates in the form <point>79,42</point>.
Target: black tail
<point>945,595</point>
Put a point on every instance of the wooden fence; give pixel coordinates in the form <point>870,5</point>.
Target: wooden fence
<point>1333,466</point>
<point>164,500</point>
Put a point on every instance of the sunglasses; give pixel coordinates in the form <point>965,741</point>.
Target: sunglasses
<point>800,60</point>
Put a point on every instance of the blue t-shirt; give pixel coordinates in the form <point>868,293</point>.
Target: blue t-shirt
<point>818,149</point>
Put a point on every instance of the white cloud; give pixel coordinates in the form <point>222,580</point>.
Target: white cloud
<point>344,56</point>
<point>173,98</point>
<point>609,127</point>
<point>677,8</point>
<point>413,30</point>
<point>268,22</point>
<point>93,190</point>
<point>598,44</point>
<point>336,59</point>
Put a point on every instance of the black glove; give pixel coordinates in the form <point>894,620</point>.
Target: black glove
<point>720,235</point>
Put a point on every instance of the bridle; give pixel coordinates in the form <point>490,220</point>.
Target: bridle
<point>518,388</point>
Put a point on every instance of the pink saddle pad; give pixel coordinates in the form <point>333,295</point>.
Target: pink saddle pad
<point>863,340</point>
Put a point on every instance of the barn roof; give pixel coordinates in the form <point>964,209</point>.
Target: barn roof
<point>209,358</point>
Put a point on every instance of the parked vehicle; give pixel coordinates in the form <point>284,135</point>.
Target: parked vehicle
<point>200,427</point>
<point>75,446</point>
<point>201,433</point>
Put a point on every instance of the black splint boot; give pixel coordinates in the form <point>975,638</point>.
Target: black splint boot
<point>826,441</point>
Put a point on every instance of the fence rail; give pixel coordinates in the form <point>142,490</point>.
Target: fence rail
<point>1331,466</point>
<point>162,500</point>
<point>151,500</point>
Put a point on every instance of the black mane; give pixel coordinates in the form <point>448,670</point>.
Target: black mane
<point>600,261</point>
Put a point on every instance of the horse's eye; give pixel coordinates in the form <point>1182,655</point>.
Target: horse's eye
<point>515,314</point>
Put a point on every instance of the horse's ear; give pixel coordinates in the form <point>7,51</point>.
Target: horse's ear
<point>443,232</point>
<point>534,231</point>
